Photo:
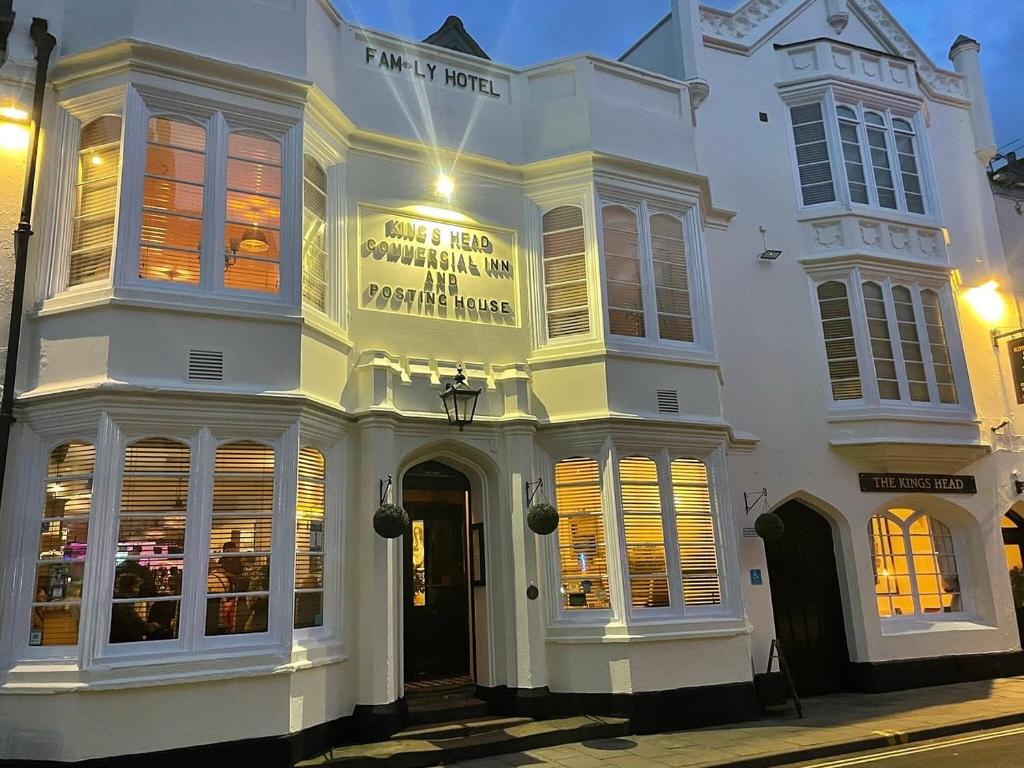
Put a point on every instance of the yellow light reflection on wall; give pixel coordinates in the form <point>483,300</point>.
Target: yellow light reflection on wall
<point>987,303</point>
<point>14,129</point>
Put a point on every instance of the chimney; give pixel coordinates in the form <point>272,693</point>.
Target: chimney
<point>688,38</point>
<point>964,55</point>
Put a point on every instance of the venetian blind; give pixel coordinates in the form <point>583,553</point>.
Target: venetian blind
<point>906,155</point>
<point>671,282</point>
<point>812,154</point>
<point>840,344</point>
<point>581,544</point>
<point>695,528</point>
<point>152,520</point>
<point>940,350</point>
<point>910,344</point>
<point>314,233</point>
<point>92,236</point>
<point>63,535</point>
<point>622,270</point>
<point>565,272</point>
<point>309,540</point>
<point>644,532</point>
<point>252,230</point>
<point>238,577</point>
<point>849,135</point>
<point>881,342</point>
<point>172,201</point>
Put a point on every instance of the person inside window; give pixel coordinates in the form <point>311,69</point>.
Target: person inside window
<point>126,626</point>
<point>227,575</point>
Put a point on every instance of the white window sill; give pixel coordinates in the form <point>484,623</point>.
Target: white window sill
<point>640,631</point>
<point>639,349</point>
<point>915,625</point>
<point>832,210</point>
<point>902,412</point>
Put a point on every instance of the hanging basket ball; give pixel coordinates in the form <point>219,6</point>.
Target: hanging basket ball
<point>390,521</point>
<point>769,526</point>
<point>542,519</point>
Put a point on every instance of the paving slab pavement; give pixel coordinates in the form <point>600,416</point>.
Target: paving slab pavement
<point>832,725</point>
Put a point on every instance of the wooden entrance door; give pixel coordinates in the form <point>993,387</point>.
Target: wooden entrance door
<point>806,602</point>
<point>1013,543</point>
<point>437,605</point>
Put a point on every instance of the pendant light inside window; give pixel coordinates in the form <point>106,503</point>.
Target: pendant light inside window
<point>253,240</point>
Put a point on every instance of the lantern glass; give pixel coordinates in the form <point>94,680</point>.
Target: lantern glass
<point>460,401</point>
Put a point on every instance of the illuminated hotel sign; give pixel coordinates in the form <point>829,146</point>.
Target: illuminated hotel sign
<point>426,268</point>
<point>431,72</point>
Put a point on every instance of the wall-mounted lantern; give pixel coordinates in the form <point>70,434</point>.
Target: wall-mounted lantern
<point>460,401</point>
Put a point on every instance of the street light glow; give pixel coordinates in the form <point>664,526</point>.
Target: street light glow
<point>445,186</point>
<point>987,303</point>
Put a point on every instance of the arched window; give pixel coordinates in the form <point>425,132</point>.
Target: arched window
<point>914,564</point>
<point>314,234</point>
<point>581,546</point>
<point>150,559</point>
<point>60,561</point>
<point>92,237</point>
<point>906,154</point>
<point>671,281</point>
<point>643,527</point>
<point>309,540</point>
<point>840,342</point>
<point>695,529</point>
<point>172,201</point>
<point>238,575</point>
<point>252,229</point>
<point>622,271</point>
<point>565,272</point>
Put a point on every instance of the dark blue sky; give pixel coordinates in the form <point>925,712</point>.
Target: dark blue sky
<point>522,32</point>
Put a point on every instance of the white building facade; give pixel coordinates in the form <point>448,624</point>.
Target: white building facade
<point>246,292</point>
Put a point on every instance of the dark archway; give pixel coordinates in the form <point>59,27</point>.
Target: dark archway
<point>437,638</point>
<point>806,601</point>
<point>1013,544</point>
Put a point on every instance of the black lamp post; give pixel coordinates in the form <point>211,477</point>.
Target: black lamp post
<point>459,401</point>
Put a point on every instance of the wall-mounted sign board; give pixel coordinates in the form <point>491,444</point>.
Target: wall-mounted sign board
<point>888,482</point>
<point>1016,348</point>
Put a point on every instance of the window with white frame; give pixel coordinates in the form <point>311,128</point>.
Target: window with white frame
<point>62,545</point>
<point>314,234</point>
<point>899,328</point>
<point>646,274</point>
<point>92,234</point>
<point>309,539</point>
<point>583,561</point>
<point>252,231</point>
<point>566,294</point>
<point>854,153</point>
<point>914,565</point>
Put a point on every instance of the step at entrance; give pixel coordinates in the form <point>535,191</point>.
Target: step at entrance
<point>453,705</point>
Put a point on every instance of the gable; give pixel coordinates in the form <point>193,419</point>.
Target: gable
<point>453,36</point>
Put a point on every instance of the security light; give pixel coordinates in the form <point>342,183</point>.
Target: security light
<point>769,255</point>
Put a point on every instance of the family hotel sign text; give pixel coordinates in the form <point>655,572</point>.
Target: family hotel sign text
<point>453,77</point>
<point>415,266</point>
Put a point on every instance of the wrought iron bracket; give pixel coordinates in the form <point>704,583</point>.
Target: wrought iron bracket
<point>751,500</point>
<point>532,489</point>
<point>385,486</point>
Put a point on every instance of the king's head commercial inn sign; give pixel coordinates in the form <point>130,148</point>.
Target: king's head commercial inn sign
<point>422,267</point>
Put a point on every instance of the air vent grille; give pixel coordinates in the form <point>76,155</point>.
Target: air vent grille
<point>205,365</point>
<point>668,401</point>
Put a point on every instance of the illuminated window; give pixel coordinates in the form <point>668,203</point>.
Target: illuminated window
<point>314,234</point>
<point>238,574</point>
<point>840,342</point>
<point>172,201</point>
<point>252,232</point>
<point>150,559</point>
<point>642,523</point>
<point>695,530</point>
<point>309,540</point>
<point>581,545</point>
<point>671,282</point>
<point>914,565</point>
<point>60,562</point>
<point>622,271</point>
<point>565,273</point>
<point>92,237</point>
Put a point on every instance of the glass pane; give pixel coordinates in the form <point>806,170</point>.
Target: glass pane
<point>563,236</point>
<point>840,345</point>
<point>621,248</point>
<point>309,538</point>
<point>698,552</point>
<point>92,237</point>
<point>581,534</point>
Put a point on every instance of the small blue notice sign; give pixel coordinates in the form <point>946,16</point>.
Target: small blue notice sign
<point>755,577</point>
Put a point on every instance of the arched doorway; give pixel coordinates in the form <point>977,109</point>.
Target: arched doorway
<point>438,609</point>
<point>1013,543</point>
<point>806,601</point>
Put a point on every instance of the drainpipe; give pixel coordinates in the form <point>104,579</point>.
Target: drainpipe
<point>45,43</point>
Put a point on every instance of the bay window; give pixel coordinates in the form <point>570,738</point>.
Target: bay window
<point>92,235</point>
<point>309,540</point>
<point>314,234</point>
<point>566,294</point>
<point>252,231</point>
<point>581,546</point>
<point>850,152</point>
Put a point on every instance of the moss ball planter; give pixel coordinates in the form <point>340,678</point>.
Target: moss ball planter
<point>390,521</point>
<point>542,519</point>
<point>769,526</point>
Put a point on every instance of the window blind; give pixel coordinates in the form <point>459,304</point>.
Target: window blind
<point>565,272</point>
<point>849,135</point>
<point>252,230</point>
<point>92,236</point>
<point>581,545</point>
<point>812,156</point>
<point>671,282</point>
<point>309,540</point>
<point>63,536</point>
<point>840,343</point>
<point>698,554</point>
<point>622,271</point>
<point>910,344</point>
<point>314,233</point>
<point>644,532</point>
<point>172,201</point>
<point>881,342</point>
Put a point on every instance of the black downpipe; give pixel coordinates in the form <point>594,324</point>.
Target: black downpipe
<point>45,43</point>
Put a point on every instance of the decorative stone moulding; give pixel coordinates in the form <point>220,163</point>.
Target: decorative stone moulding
<point>853,234</point>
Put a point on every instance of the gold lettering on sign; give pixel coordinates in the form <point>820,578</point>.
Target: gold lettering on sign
<point>428,268</point>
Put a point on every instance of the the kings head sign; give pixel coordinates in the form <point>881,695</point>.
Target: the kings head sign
<point>427,268</point>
